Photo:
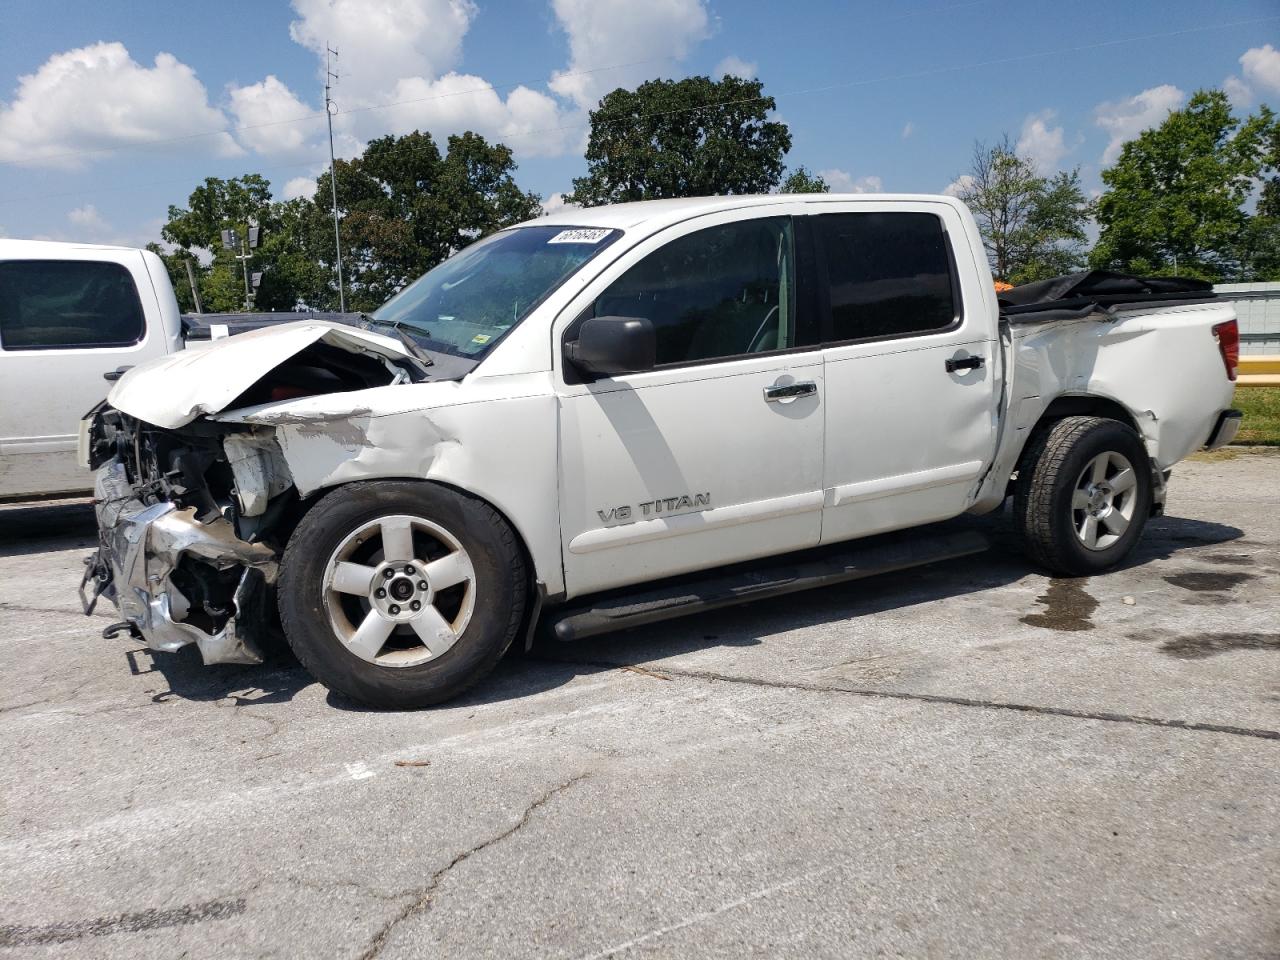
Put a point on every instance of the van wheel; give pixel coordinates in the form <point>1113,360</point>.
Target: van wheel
<point>401,594</point>
<point>1083,495</point>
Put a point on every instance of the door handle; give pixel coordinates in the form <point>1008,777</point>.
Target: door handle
<point>115,374</point>
<point>789,391</point>
<point>965,363</point>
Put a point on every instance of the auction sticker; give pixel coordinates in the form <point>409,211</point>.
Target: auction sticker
<point>579,236</point>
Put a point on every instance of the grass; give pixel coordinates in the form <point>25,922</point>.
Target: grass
<point>1261,408</point>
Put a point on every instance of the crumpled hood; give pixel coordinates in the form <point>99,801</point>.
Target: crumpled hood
<point>173,390</point>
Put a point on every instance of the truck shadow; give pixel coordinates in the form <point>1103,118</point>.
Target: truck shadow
<point>551,664</point>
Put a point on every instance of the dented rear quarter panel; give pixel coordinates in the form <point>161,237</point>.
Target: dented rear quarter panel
<point>1162,365</point>
<point>492,437</point>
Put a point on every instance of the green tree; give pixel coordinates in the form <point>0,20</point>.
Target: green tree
<point>682,138</point>
<point>234,204</point>
<point>1177,198</point>
<point>801,180</point>
<point>1033,226</point>
<point>404,208</point>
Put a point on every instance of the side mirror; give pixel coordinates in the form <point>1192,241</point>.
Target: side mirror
<point>608,346</point>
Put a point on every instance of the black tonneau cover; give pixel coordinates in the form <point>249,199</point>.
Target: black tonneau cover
<point>1079,295</point>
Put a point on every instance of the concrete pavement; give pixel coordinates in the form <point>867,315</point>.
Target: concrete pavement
<point>969,759</point>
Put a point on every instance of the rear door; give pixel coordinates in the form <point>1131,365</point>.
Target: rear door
<point>63,324</point>
<point>911,400</point>
<point>715,456</point>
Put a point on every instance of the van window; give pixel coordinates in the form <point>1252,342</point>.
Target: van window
<point>53,304</point>
<point>889,274</point>
<point>721,292</point>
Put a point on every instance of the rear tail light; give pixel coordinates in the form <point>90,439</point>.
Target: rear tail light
<point>1228,336</point>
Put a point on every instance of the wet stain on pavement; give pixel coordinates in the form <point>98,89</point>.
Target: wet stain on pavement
<point>1068,607</point>
<point>1201,645</point>
<point>1230,559</point>
<point>1202,581</point>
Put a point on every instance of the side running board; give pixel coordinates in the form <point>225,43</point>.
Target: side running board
<point>759,580</point>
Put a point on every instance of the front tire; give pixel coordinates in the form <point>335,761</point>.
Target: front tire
<point>1083,495</point>
<point>401,594</point>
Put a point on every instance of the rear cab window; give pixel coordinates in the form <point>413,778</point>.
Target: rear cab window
<point>887,275</point>
<point>68,304</point>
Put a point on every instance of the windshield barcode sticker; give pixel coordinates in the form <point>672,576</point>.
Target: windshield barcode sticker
<point>579,236</point>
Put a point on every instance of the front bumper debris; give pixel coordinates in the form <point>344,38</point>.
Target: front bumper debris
<point>141,549</point>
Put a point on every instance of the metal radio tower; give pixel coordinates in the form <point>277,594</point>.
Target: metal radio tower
<point>329,106</point>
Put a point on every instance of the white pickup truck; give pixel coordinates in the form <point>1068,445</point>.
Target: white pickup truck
<point>70,314</point>
<point>609,416</point>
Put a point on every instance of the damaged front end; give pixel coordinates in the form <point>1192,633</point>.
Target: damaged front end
<point>193,512</point>
<point>186,522</point>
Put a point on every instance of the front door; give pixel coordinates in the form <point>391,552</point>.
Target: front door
<point>714,456</point>
<point>911,367</point>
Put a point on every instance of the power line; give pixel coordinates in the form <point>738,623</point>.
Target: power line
<point>825,88</point>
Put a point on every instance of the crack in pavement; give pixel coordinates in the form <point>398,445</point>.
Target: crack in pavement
<point>870,693</point>
<point>423,900</point>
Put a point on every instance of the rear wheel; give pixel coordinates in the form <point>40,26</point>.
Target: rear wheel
<point>401,594</point>
<point>1083,495</point>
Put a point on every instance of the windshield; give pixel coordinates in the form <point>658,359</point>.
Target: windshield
<point>465,304</point>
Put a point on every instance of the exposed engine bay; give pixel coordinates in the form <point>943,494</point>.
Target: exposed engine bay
<point>192,520</point>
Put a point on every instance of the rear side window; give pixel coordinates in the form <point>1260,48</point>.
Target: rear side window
<point>889,274</point>
<point>53,304</point>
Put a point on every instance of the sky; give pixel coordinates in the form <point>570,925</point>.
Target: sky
<point>111,110</point>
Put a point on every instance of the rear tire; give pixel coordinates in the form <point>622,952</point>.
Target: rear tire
<point>1083,495</point>
<point>401,594</point>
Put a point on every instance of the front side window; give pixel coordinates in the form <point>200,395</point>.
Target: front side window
<point>889,274</point>
<point>720,292</point>
<point>463,306</point>
<point>60,304</point>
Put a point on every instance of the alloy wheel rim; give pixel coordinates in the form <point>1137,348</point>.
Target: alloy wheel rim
<point>1103,500</point>
<point>399,591</point>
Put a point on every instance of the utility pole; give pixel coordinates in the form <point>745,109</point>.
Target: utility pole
<point>329,107</point>
<point>191,279</point>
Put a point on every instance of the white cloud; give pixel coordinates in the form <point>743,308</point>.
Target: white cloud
<point>395,78</point>
<point>842,182</point>
<point>300,187</point>
<point>380,42</point>
<point>1041,143</point>
<point>1237,92</point>
<point>603,33</point>
<point>1262,67</point>
<point>527,121</point>
<point>736,67</point>
<point>98,97</point>
<point>1125,119</point>
<point>960,185</point>
<point>556,203</point>
<point>908,130</point>
<point>264,113</point>
<point>88,219</point>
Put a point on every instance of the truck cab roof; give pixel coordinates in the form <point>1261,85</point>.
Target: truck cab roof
<point>656,214</point>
